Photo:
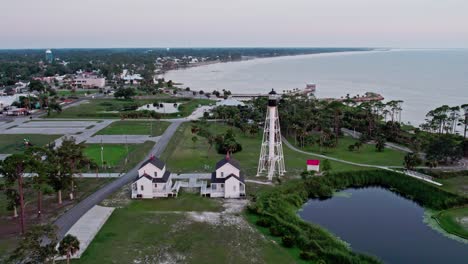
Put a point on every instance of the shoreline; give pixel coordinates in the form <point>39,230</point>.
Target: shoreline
<point>318,54</point>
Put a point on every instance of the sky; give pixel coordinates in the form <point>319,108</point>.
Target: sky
<point>233,23</point>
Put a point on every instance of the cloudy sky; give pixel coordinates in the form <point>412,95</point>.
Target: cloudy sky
<point>209,23</point>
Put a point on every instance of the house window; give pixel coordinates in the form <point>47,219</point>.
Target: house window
<point>155,174</point>
<point>135,187</point>
<point>142,188</point>
<point>222,185</point>
<point>234,188</point>
<point>222,174</point>
<point>155,185</point>
<point>213,186</point>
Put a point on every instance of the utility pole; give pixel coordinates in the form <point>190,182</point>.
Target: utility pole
<point>102,154</point>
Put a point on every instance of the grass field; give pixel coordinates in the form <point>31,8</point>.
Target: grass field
<point>111,108</point>
<point>454,221</point>
<point>457,184</point>
<point>183,155</point>
<point>12,143</point>
<point>114,155</point>
<point>176,231</point>
<point>155,128</point>
<point>76,93</point>
<point>366,154</point>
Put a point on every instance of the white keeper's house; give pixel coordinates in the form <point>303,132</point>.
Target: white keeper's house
<point>153,180</point>
<point>227,180</point>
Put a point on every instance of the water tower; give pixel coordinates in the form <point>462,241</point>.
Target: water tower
<point>271,161</point>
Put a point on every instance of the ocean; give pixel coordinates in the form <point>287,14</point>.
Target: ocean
<point>423,79</point>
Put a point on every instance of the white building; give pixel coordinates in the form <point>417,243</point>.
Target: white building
<point>313,165</point>
<point>227,180</point>
<point>153,180</point>
<point>88,81</point>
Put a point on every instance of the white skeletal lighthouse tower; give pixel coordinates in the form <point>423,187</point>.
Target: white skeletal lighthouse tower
<point>271,161</point>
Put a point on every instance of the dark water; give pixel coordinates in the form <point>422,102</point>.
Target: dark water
<point>378,222</point>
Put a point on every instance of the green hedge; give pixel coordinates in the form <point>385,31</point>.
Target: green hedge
<point>277,210</point>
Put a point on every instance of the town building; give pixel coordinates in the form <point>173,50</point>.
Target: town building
<point>313,165</point>
<point>88,80</point>
<point>227,180</point>
<point>153,180</point>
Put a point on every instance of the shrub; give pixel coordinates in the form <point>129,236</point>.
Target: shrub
<point>263,222</point>
<point>306,255</point>
<point>288,241</point>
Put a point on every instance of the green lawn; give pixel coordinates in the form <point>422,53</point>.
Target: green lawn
<point>183,155</point>
<point>111,108</point>
<point>457,184</point>
<point>454,221</point>
<point>77,92</point>
<point>14,143</point>
<point>162,231</point>
<point>367,154</point>
<point>153,128</point>
<point>114,155</point>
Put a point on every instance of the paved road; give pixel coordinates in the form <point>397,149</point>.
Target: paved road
<point>66,221</point>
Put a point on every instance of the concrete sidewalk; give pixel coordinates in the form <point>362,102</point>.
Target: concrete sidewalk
<point>86,228</point>
<point>121,139</point>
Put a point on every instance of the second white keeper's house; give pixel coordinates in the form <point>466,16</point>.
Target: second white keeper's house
<point>153,180</point>
<point>227,180</point>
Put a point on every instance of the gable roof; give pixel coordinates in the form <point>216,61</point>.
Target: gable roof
<point>164,178</point>
<point>225,161</point>
<point>214,179</point>
<point>313,162</point>
<point>155,161</point>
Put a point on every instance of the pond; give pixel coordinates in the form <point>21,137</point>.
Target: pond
<point>378,222</point>
<point>165,108</point>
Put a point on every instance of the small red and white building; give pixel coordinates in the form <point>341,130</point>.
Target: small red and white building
<point>313,165</point>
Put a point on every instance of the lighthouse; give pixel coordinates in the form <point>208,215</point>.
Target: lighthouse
<point>271,160</point>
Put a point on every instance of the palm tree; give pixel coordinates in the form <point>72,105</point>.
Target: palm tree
<point>411,160</point>
<point>69,246</point>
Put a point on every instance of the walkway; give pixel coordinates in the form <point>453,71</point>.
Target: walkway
<point>121,139</point>
<point>66,221</point>
<point>86,228</point>
<point>413,174</point>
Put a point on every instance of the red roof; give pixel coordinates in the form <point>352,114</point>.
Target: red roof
<point>313,162</point>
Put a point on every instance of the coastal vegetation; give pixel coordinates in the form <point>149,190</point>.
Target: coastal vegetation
<point>182,155</point>
<point>276,208</point>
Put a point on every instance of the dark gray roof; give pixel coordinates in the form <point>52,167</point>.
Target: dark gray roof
<point>164,178</point>
<point>222,180</point>
<point>155,161</point>
<point>231,161</point>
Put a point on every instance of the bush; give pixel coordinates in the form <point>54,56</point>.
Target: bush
<point>263,222</point>
<point>275,231</point>
<point>306,255</point>
<point>288,241</point>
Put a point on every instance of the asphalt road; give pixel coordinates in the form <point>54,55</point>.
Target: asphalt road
<point>66,221</point>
